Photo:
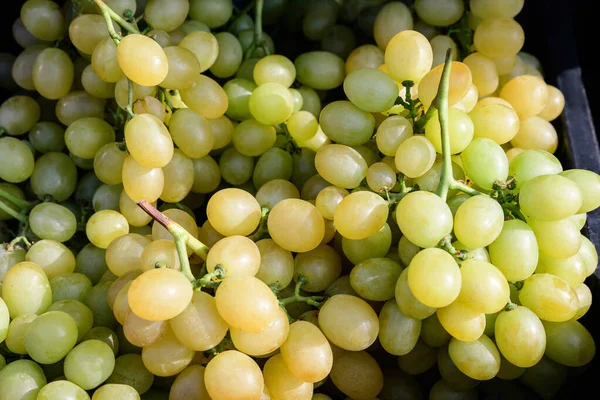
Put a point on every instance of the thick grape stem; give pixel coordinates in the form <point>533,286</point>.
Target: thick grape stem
<point>182,238</point>
<point>9,210</point>
<point>22,204</point>
<point>446,244</point>
<point>315,301</point>
<point>257,42</point>
<point>447,181</point>
<point>262,229</point>
<point>109,14</point>
<point>419,126</point>
<point>212,279</point>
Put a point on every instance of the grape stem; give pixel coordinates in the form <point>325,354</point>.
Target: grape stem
<point>447,181</point>
<point>258,41</point>
<point>510,306</point>
<point>419,126</point>
<point>19,240</point>
<point>109,15</point>
<point>162,92</point>
<point>315,301</point>
<point>22,204</point>
<point>262,229</point>
<point>10,211</point>
<point>129,107</point>
<point>212,279</point>
<point>446,244</point>
<point>183,238</point>
<point>517,285</point>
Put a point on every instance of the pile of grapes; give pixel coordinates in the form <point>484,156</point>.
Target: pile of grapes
<point>377,214</point>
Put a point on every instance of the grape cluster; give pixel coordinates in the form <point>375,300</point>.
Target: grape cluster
<point>188,215</point>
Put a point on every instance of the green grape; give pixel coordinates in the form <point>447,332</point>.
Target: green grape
<point>439,46</point>
<point>52,221</point>
<point>431,180</point>
<point>23,37</point>
<point>62,389</point>
<point>52,256</point>
<point>375,279</point>
<point>50,337</point>
<point>19,114</point>
<point>420,359</point>
<point>274,164</point>
<point>320,70</point>
<point>374,246</point>
<point>86,136</point>
<point>271,103</point>
<point>107,197</point>
<point>371,90</point>
<point>230,56</point>
<point>584,300</point>
<point>246,70</point>
<point>207,175</point>
<point>54,174</point>
<point>589,184</point>
<point>485,162</point>
<point>53,73</point>
<point>105,335</point>
<point>357,374</point>
<point>274,68</point>
<point>87,30</point>
<point>569,343</point>
<point>90,262</point>
<point>391,19</point>
<point>414,156</point>
<point>483,286</point>
<point>10,258</point>
<point>23,66</point>
<point>588,253</point>
<point>104,61</point>
<point>108,163</point>
<point>451,373</point>
<point>97,301</point>
<point>320,266</point>
<point>550,198</point>
<point>559,239</point>
<point>434,277</point>
<point>179,178</point>
<point>549,297</point>
<point>311,101</point>
<point>391,133</point>
<point>354,317</point>
<point>212,13</point>
<point>191,132</point>
<point>206,97</point>
<point>407,250</point>
<point>572,269</point>
<point>532,163</point>
<point>96,86</point>
<point>43,19</point>
<point>478,222</point>
<point>246,38</point>
<point>478,359</point>
<point>139,93</point>
<point>78,104</point>
<point>347,124</point>
<point>520,337</point>
<point>70,286</point>
<point>360,215</point>
<point>398,333</point>
<point>341,165</point>
<point>183,68</point>
<point>433,333</point>
<point>407,302</point>
<point>21,379</point>
<point>115,391</point>
<point>89,364</point>
<point>253,138</point>
<point>166,15</point>
<point>25,289</point>
<point>424,218</point>
<point>461,130</point>
<point>86,187</point>
<point>493,9</point>
<point>47,136</point>
<point>439,14</point>
<point>443,390</point>
<point>238,93</point>
<point>579,220</point>
<point>4,320</point>
<point>16,160</point>
<point>130,370</point>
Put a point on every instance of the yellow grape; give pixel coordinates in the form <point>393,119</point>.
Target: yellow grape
<point>239,255</point>
<point>485,74</point>
<point>142,183</point>
<point>520,337</point>
<point>499,37</point>
<point>192,133</point>
<point>461,321</point>
<point>365,56</point>
<point>134,215</point>
<point>554,105</point>
<point>166,14</point>
<point>148,141</point>
<point>391,133</point>
<point>558,239</point>
<point>328,199</point>
<point>271,103</point>
<point>206,97</point>
<point>349,322</point>
<point>360,215</point>
<point>179,178</point>
<point>424,218</point>
<point>245,381</point>
<point>275,68</point>
<point>53,73</point>
<point>551,298</point>
<point>484,288</point>
<point>159,294</point>
<point>584,297</point>
<point>434,277</point>
<point>527,94</point>
<point>264,342</point>
<point>536,133</point>
<point>357,375</point>
<point>478,359</point>
<point>407,302</point>
<point>246,303</point>
<point>415,156</point>
<point>460,81</point>
<point>282,384</point>
<point>408,56</point>
<point>26,290</point>
<point>478,222</point>
<point>493,9</point>
<point>166,356</point>
<point>306,352</point>
<point>199,326</point>
<point>234,212</point>
<point>302,125</point>
<point>123,253</point>
<point>104,61</point>
<point>467,103</point>
<point>460,128</point>
<point>142,60</point>
<point>204,45</point>
<point>140,332</point>
<point>222,130</point>
<point>183,68</point>
<point>570,269</point>
<point>159,251</point>
<point>296,225</point>
<point>277,264</point>
<point>139,92</point>
<point>105,226</point>
<point>495,121</point>
<point>190,382</point>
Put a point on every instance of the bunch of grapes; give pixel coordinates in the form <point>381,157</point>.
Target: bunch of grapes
<point>188,215</point>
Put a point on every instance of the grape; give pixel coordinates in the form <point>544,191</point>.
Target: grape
<point>306,352</point>
<point>491,8</point>
<point>554,105</point>
<point>375,279</point>
<point>105,226</point>
<point>520,262</point>
<point>392,18</point>
<point>53,73</point>
<point>23,37</point>
<point>253,138</point>
<point>371,90</point>
<point>262,343</point>
<point>527,94</point>
<point>485,162</point>
<point>589,255</point>
<point>54,174</point>
<point>320,266</point>
<point>47,136</point>
<point>142,60</point>
<point>89,364</point>
<point>398,333</point>
<point>62,389</point>
<point>439,45</point>
<point>569,343</point>
<point>274,68</point>
<point>43,19</point>
<point>589,184</point>
<point>357,374</point>
<point>376,245</point>
<point>408,56</point>
<point>212,13</point>
<point>499,37</point>
<point>107,197</point>
<point>549,297</point>
<point>25,289</point>
<point>206,97</point>
<point>442,389</point>
<point>22,68</point>
<point>17,162</point>
<point>166,15</point>
<point>276,190</point>
<point>536,133</point>
<point>495,121</point>
<point>21,379</point>
<point>142,183</point>
<point>360,215</point>
<point>433,216</point>
<point>459,85</point>
<point>166,356</point>
<point>478,222</point>
<point>570,269</point>
<point>282,383</point>
<point>320,70</point>
<point>50,337</point>
<point>439,14</point>
<point>233,212</point>
<point>223,382</point>
<point>559,239</point>
<point>112,391</point>
<point>478,359</point>
<point>520,337</point>
<point>309,227</point>
<point>433,333</point>
<point>19,114</point>
<point>14,333</point>
<point>97,301</point>
<point>190,382</point>
<point>78,104</point>
<point>414,156</point>
<point>140,332</point>
<point>584,297</point>
<point>349,322</point>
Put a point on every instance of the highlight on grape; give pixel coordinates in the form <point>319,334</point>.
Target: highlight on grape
<point>286,200</point>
